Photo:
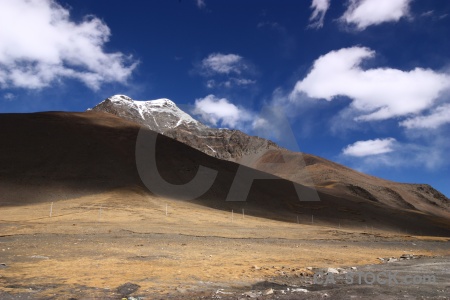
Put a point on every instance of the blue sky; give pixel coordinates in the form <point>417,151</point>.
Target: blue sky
<point>364,83</point>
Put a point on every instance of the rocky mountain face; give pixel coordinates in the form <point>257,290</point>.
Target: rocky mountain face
<point>164,117</point>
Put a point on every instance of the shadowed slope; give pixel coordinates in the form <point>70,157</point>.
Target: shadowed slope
<point>51,156</point>
<point>163,116</point>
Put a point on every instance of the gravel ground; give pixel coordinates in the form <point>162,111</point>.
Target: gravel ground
<point>285,282</point>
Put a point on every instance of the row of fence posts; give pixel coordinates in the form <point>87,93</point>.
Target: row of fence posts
<point>232,216</point>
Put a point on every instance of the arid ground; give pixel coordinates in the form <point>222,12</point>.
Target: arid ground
<point>117,244</point>
<point>106,236</point>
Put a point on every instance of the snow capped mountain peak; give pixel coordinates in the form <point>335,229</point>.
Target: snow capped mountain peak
<point>117,98</point>
<point>159,115</point>
<point>164,117</point>
<point>163,102</point>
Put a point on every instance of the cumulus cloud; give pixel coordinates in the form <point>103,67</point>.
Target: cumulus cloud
<point>364,13</point>
<point>438,117</point>
<point>320,8</point>
<point>221,112</point>
<point>369,147</point>
<point>223,63</point>
<point>429,153</point>
<point>261,124</point>
<point>376,94</point>
<point>226,71</point>
<point>40,44</point>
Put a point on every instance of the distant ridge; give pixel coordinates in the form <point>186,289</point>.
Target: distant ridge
<point>163,116</point>
<point>52,156</point>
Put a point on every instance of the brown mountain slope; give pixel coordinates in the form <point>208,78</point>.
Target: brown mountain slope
<point>51,156</point>
<point>339,180</point>
<point>163,116</point>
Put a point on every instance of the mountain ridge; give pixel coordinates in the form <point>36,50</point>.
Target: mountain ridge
<point>55,156</point>
<point>166,118</point>
<point>265,155</point>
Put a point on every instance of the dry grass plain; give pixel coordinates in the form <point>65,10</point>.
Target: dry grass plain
<point>93,244</point>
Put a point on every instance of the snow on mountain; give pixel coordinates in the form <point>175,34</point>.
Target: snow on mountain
<point>163,116</point>
<point>159,115</point>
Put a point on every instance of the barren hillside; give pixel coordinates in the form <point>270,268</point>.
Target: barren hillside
<point>51,156</point>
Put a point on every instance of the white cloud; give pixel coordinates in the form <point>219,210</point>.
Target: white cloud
<point>429,153</point>
<point>370,147</point>
<point>221,112</point>
<point>261,123</point>
<point>226,71</point>
<point>320,8</point>
<point>223,63</point>
<point>376,94</point>
<point>9,96</point>
<point>364,13</point>
<point>229,83</point>
<point>201,3</point>
<point>40,45</point>
<point>243,81</point>
<point>439,116</point>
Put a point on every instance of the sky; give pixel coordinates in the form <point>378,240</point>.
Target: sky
<point>365,83</point>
